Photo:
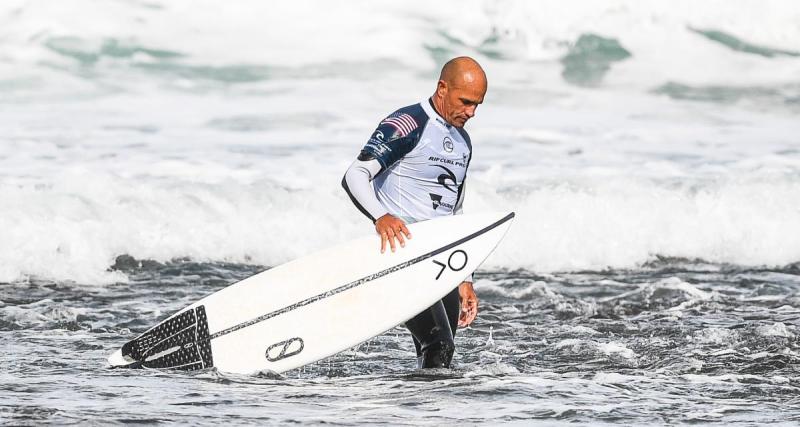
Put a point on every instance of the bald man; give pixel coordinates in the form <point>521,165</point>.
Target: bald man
<point>413,168</point>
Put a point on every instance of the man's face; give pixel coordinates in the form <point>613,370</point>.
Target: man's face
<point>460,101</point>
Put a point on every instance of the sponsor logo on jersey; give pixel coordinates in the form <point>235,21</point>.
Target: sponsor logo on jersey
<point>447,143</point>
<point>377,148</point>
<point>445,177</point>
<point>449,161</point>
<point>436,201</point>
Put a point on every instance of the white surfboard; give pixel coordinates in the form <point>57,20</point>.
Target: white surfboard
<point>316,306</point>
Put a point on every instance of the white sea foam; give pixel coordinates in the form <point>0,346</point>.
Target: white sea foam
<point>40,313</point>
<point>609,348</point>
<point>777,329</point>
<point>282,34</point>
<point>174,129</point>
<point>581,330</point>
<point>492,369</point>
<point>617,378</point>
<point>715,336</point>
<point>617,349</point>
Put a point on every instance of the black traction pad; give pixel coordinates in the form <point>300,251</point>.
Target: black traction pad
<point>182,342</point>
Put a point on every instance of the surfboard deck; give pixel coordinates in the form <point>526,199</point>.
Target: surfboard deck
<point>318,305</point>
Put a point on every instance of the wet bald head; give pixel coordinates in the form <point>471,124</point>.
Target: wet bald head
<point>463,71</point>
<point>461,88</point>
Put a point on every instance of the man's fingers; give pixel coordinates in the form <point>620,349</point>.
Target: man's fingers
<point>466,318</point>
<point>405,231</point>
<point>390,238</point>
<point>469,311</point>
<point>391,228</point>
<point>463,317</point>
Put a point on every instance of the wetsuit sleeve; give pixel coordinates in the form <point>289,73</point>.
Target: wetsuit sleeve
<point>357,182</point>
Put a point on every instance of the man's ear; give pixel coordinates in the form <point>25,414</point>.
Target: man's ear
<point>441,88</point>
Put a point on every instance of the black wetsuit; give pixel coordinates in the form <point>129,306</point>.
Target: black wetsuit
<point>414,167</point>
<point>434,331</point>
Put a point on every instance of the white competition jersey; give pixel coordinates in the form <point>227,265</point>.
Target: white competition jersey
<point>423,160</point>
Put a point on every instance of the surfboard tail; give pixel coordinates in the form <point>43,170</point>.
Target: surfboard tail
<point>182,342</point>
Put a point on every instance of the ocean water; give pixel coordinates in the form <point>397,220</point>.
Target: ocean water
<point>153,152</point>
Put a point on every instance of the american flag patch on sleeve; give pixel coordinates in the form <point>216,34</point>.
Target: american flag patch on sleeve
<point>404,124</point>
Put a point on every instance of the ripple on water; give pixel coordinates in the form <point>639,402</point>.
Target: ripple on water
<point>644,346</point>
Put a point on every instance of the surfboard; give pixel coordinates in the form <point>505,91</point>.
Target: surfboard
<point>318,305</point>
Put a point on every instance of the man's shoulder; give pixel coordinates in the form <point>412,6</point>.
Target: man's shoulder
<point>396,135</point>
<point>413,110</point>
<point>408,118</point>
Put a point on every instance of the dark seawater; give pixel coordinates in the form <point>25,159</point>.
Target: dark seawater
<point>674,342</point>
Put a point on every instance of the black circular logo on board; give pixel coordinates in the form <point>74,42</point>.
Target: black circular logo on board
<point>448,144</point>
<point>459,258</point>
<point>456,261</point>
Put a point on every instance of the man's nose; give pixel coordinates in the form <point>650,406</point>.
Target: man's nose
<point>470,111</point>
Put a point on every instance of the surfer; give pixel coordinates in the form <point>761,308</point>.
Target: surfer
<point>413,168</point>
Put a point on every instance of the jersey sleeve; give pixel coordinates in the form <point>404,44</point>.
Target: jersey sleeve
<point>356,183</point>
<point>395,137</point>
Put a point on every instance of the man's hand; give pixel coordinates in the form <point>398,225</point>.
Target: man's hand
<point>390,228</point>
<point>469,304</point>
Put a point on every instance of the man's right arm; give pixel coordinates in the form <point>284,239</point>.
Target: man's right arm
<point>357,182</point>
<point>395,137</point>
